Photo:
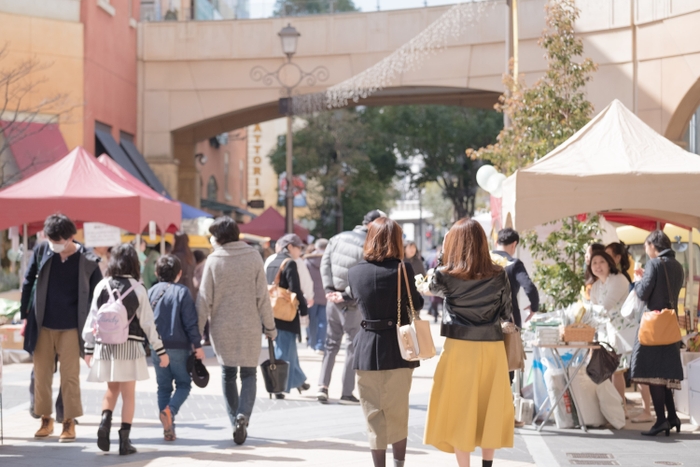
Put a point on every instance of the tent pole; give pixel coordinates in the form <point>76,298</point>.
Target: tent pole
<point>691,305</point>
<point>137,241</point>
<point>162,243</point>
<point>25,252</point>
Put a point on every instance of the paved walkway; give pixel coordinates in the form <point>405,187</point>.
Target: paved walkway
<point>300,431</point>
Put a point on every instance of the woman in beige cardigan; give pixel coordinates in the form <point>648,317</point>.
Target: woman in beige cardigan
<point>233,295</point>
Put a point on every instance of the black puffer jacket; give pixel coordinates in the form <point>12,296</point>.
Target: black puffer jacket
<point>474,309</point>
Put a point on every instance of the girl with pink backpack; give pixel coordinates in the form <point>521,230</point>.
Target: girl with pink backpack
<point>115,333</point>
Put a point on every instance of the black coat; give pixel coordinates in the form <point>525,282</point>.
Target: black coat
<point>659,361</point>
<point>473,309</point>
<point>518,277</point>
<point>289,280</point>
<point>374,286</point>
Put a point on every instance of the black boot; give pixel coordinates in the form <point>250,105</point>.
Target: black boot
<point>103,430</point>
<point>125,446</point>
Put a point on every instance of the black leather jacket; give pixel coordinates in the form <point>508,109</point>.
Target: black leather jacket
<point>474,309</point>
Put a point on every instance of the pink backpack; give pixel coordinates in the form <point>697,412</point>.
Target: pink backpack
<point>112,321</point>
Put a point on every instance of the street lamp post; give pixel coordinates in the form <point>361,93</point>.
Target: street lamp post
<point>289,75</point>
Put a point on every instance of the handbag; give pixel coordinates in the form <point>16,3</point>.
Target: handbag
<point>633,307</point>
<point>284,302</point>
<point>660,327</point>
<point>275,372</point>
<point>515,352</point>
<point>415,339</point>
<point>604,362</point>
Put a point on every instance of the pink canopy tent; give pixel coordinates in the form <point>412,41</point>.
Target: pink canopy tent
<point>271,224</point>
<point>86,191</point>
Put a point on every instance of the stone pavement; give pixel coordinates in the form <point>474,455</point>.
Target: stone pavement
<point>300,431</point>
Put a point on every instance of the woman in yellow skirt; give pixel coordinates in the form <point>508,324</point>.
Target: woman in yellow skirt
<point>471,404</point>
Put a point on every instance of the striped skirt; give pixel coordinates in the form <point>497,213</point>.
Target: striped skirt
<point>119,363</point>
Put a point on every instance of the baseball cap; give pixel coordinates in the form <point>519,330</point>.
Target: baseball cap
<point>373,215</point>
<point>290,239</point>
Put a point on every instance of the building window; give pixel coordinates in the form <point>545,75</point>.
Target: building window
<point>212,189</point>
<point>691,137</point>
<point>124,136</point>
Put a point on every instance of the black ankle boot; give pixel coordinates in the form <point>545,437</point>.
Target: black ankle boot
<point>125,446</point>
<point>103,430</point>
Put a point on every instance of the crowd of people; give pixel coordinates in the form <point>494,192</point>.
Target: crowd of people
<point>348,286</point>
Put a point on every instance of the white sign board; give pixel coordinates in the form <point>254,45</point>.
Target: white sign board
<point>97,234</point>
<point>152,230</point>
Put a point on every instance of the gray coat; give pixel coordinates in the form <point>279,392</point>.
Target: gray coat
<point>344,251</point>
<point>233,295</point>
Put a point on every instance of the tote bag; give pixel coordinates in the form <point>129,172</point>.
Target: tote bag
<point>660,327</point>
<point>284,302</point>
<point>514,346</point>
<point>415,340</point>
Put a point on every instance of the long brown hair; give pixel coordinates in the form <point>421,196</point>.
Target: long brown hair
<point>384,240</point>
<point>466,253</point>
<point>181,249</point>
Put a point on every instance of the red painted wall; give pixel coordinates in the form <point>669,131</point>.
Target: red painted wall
<point>110,68</point>
<point>237,148</point>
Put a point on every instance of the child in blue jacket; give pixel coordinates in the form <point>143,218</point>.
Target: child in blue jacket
<point>176,321</point>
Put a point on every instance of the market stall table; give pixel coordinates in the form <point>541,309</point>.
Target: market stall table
<point>588,348</point>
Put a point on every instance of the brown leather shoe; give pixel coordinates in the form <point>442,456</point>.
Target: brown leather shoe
<point>46,428</point>
<point>68,434</point>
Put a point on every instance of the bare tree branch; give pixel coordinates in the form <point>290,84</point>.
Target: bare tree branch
<point>21,106</point>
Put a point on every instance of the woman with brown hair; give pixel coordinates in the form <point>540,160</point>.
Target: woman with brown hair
<point>182,250</point>
<point>471,404</point>
<point>384,378</point>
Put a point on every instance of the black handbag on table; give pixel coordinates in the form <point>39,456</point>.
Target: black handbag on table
<point>604,362</point>
<point>275,372</point>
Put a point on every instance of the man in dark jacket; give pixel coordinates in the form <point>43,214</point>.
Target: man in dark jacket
<point>56,299</point>
<point>508,240</point>
<point>344,251</point>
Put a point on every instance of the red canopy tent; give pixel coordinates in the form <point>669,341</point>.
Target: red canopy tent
<point>271,224</point>
<point>86,191</point>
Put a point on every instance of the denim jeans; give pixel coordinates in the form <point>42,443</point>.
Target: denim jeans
<point>317,327</point>
<point>234,404</point>
<point>175,372</point>
<point>286,349</point>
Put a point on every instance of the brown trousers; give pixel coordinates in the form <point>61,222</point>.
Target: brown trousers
<point>67,345</point>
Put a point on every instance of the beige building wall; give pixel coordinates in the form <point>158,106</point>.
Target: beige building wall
<point>262,178</point>
<point>57,46</point>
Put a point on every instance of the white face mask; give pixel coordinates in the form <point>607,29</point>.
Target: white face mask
<point>57,247</point>
<point>213,241</point>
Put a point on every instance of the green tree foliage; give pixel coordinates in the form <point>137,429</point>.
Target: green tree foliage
<point>342,152</point>
<point>440,134</point>
<point>312,7</point>
<point>559,263</point>
<point>555,107</point>
<point>542,117</point>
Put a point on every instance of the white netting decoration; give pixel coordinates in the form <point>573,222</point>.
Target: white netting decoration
<point>453,23</point>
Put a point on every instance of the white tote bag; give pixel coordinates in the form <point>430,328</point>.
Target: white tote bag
<point>633,307</point>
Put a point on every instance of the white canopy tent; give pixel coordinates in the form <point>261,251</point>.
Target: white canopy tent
<point>615,164</point>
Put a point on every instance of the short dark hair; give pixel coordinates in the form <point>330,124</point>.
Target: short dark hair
<point>507,237</point>
<point>225,230</point>
<point>659,240</point>
<point>199,256</point>
<point>167,268</point>
<point>59,227</point>
<point>124,261</point>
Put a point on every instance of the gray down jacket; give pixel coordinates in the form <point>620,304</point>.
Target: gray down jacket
<point>344,251</point>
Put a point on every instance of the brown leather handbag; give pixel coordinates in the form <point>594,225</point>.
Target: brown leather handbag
<point>660,327</point>
<point>415,339</point>
<point>284,302</point>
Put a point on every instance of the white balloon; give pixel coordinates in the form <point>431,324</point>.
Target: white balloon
<point>494,183</point>
<point>483,174</point>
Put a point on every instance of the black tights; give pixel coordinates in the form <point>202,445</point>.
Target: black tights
<point>662,397</point>
<point>398,449</point>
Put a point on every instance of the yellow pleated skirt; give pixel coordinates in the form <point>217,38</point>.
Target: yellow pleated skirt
<point>471,404</point>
